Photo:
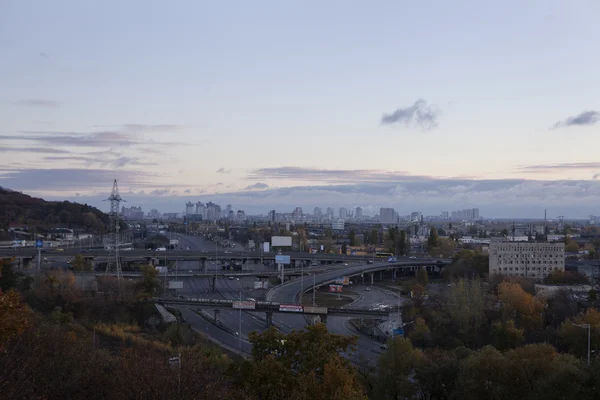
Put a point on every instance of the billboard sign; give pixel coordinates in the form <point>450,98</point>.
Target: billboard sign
<point>282,259</point>
<point>175,284</point>
<point>342,281</point>
<point>39,243</point>
<point>261,285</point>
<point>336,288</point>
<point>173,241</point>
<point>398,332</point>
<point>281,241</point>
<point>244,305</point>
<point>290,308</point>
<point>266,247</point>
<point>315,310</point>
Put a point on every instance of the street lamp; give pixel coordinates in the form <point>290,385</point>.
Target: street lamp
<point>588,327</point>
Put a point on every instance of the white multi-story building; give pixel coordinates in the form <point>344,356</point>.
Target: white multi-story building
<point>530,259</point>
<point>338,224</point>
<point>189,208</point>
<point>343,212</point>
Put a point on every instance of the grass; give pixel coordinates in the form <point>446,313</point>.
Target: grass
<point>326,299</point>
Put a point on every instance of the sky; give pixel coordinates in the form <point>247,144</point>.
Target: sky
<point>421,106</point>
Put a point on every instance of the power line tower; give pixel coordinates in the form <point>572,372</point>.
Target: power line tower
<point>113,266</point>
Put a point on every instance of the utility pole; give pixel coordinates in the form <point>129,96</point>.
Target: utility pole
<point>114,263</point>
<point>588,327</point>
<point>314,288</point>
<point>240,331</point>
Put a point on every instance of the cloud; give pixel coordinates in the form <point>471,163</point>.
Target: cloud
<point>160,192</point>
<point>87,159</point>
<point>331,175</point>
<point>558,167</point>
<point>152,128</point>
<point>47,150</point>
<point>258,185</point>
<point>70,179</point>
<point>222,170</point>
<point>419,114</point>
<point>582,119</point>
<point>37,103</point>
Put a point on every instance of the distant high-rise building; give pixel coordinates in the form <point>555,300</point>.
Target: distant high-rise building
<point>343,212</point>
<point>317,213</point>
<point>240,216</point>
<point>297,213</point>
<point>387,215</point>
<point>189,208</point>
<point>272,215</point>
<point>445,215</point>
<point>468,214</point>
<point>415,216</point>
<point>358,213</point>
<point>330,212</point>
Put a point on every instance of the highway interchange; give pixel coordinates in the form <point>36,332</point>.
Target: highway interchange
<point>231,289</point>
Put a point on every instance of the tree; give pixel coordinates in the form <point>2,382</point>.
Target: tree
<point>79,263</point>
<point>421,334</point>
<point>374,237</point>
<point>395,367</point>
<point>352,237</point>
<point>574,338</point>
<point>506,336</point>
<point>571,245</point>
<point>403,244</point>
<point>304,364</point>
<point>465,304</point>
<point>483,376</point>
<point>432,240</point>
<point>344,248</point>
<point>150,282</point>
<point>525,309</point>
<point>422,276</point>
<point>14,317</point>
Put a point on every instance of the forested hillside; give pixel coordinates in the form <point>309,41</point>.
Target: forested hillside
<point>19,208</point>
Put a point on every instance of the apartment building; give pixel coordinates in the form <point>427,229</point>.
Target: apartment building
<point>528,259</point>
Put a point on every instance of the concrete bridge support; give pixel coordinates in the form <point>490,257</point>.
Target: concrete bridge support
<point>380,275</point>
<point>203,265</point>
<point>323,318</point>
<point>372,278</point>
<point>394,271</point>
<point>217,313</point>
<point>269,319</point>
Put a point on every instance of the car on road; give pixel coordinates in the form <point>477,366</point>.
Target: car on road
<point>412,258</point>
<point>231,278</point>
<point>384,347</point>
<point>369,261</point>
<point>59,249</point>
<point>345,264</point>
<point>367,289</point>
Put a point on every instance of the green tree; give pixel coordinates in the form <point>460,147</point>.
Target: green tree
<point>395,367</point>
<point>150,282</point>
<point>422,276</point>
<point>506,336</point>
<point>344,248</point>
<point>403,244</point>
<point>465,304</point>
<point>79,263</point>
<point>352,237</point>
<point>374,237</point>
<point>432,240</point>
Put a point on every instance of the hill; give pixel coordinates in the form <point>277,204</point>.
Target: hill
<point>21,209</point>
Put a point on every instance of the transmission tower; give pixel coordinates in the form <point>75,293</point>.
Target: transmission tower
<point>113,266</point>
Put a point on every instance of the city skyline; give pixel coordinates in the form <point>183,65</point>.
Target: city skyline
<point>470,105</point>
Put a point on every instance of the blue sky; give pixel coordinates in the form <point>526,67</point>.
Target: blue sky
<point>427,106</point>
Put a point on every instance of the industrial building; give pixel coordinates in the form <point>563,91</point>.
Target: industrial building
<point>529,259</point>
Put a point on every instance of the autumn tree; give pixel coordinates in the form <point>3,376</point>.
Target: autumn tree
<point>525,309</point>
<point>79,263</point>
<point>574,338</point>
<point>505,335</point>
<point>302,364</point>
<point>13,315</point>
<point>432,240</point>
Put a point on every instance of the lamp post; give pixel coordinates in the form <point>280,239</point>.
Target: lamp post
<point>588,327</point>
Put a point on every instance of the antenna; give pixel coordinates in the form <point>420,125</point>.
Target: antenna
<point>113,265</point>
<point>513,231</point>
